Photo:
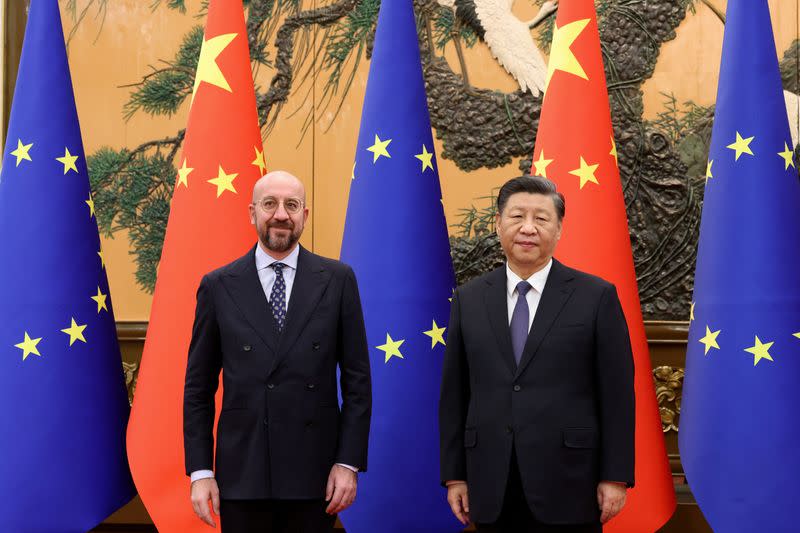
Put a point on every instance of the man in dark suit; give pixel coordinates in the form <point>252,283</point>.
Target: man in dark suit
<point>277,322</point>
<point>537,400</point>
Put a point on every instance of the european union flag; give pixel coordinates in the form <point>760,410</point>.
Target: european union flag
<point>62,392</point>
<point>739,429</point>
<point>396,240</point>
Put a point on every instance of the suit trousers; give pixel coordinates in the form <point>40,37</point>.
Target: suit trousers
<point>275,516</point>
<point>516,515</point>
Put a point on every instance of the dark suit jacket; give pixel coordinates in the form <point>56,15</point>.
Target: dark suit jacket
<point>281,429</point>
<point>567,409</point>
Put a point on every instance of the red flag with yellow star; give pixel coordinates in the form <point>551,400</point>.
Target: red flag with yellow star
<point>208,227</point>
<point>575,148</point>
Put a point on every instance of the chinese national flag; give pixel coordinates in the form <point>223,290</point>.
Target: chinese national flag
<point>575,148</point>
<point>208,227</point>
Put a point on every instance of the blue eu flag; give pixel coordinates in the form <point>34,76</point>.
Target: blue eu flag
<point>739,428</point>
<point>62,392</point>
<point>396,240</point>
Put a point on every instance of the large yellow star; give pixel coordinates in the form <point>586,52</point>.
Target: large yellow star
<point>183,174</point>
<point>259,161</point>
<point>613,151</point>
<point>28,346</point>
<point>788,156</point>
<point>585,173</point>
<point>741,146</point>
<point>561,57</point>
<point>426,158</point>
<point>379,148</point>
<point>797,334</point>
<point>90,203</point>
<point>710,340</point>
<point>101,300</point>
<point>224,182</point>
<point>709,175</point>
<point>75,332</point>
<point>436,334</point>
<point>207,69</point>
<point>391,348</point>
<point>540,165</point>
<point>22,152</point>
<point>760,350</point>
<point>68,161</point>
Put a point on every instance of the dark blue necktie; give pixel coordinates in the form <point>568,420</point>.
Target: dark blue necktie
<point>519,320</point>
<point>277,298</point>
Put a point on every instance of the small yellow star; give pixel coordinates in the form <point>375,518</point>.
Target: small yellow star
<point>259,161</point>
<point>540,165</point>
<point>451,296</point>
<point>436,334</point>
<point>585,173</point>
<point>379,148</point>
<point>741,146</point>
<point>426,158</point>
<point>561,57</point>
<point>710,340</point>
<point>613,151</point>
<point>709,175</point>
<point>760,351</point>
<point>797,334</point>
<point>102,260</point>
<point>28,346</point>
<point>75,332</point>
<point>391,348</point>
<point>788,156</point>
<point>101,300</point>
<point>353,173</point>
<point>183,174</point>
<point>22,152</point>
<point>207,68</point>
<point>224,182</point>
<point>691,313</point>
<point>90,203</point>
<point>68,161</point>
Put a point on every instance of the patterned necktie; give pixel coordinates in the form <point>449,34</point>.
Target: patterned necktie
<point>277,298</point>
<point>519,320</point>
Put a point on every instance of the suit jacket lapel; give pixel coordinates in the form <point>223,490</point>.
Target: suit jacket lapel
<point>556,292</point>
<point>497,307</point>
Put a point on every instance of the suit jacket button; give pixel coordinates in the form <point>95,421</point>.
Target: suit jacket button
<point>517,388</point>
<point>315,346</point>
<point>271,386</point>
<point>247,347</point>
<point>509,430</point>
<point>309,423</point>
<point>266,421</point>
<point>311,386</point>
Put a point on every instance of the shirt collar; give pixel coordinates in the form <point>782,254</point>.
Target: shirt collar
<point>537,280</point>
<point>264,260</point>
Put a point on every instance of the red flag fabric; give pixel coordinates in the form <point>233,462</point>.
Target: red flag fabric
<point>208,227</point>
<point>575,148</point>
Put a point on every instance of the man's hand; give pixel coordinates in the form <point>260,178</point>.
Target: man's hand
<point>611,499</point>
<point>458,498</point>
<point>202,491</point>
<point>341,490</point>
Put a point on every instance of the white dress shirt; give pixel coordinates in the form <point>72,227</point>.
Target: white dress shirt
<point>534,295</point>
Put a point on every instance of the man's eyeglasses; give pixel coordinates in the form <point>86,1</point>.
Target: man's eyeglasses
<point>269,205</point>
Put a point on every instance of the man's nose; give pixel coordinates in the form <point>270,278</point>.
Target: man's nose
<point>528,227</point>
<point>280,212</point>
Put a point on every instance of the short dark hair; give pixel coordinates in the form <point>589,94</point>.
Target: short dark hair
<point>532,185</point>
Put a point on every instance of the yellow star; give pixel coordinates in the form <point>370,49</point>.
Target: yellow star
<point>353,173</point>
<point>224,182</point>
<point>426,158</point>
<point>760,351</point>
<point>561,57</point>
<point>391,348</point>
<point>613,151</point>
<point>28,346</point>
<point>797,334</point>
<point>207,69</point>
<point>259,161</point>
<point>451,296</point>
<point>75,332</point>
<point>709,175</point>
<point>102,261</point>
<point>436,334</point>
<point>691,313</point>
<point>68,161</point>
<point>101,300</point>
<point>183,174</point>
<point>22,152</point>
<point>710,340</point>
<point>90,203</point>
<point>788,156</point>
<point>379,148</point>
<point>585,173</point>
<point>741,146</point>
<point>540,165</point>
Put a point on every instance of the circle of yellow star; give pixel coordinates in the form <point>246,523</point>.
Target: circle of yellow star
<point>540,165</point>
<point>100,298</point>
<point>436,334</point>
<point>561,57</point>
<point>613,151</point>
<point>426,158</point>
<point>207,68</point>
<point>22,152</point>
<point>710,340</point>
<point>224,182</point>
<point>28,346</point>
<point>709,175</point>
<point>379,148</point>
<point>797,334</point>
<point>90,203</point>
<point>259,161</point>
<point>75,332</point>
<point>391,348</point>
<point>68,161</point>
<point>760,350</point>
<point>586,173</point>
<point>741,146</point>
<point>788,156</point>
<point>183,174</point>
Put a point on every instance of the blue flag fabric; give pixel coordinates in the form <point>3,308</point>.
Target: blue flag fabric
<point>396,240</point>
<point>739,429</point>
<point>62,391</point>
